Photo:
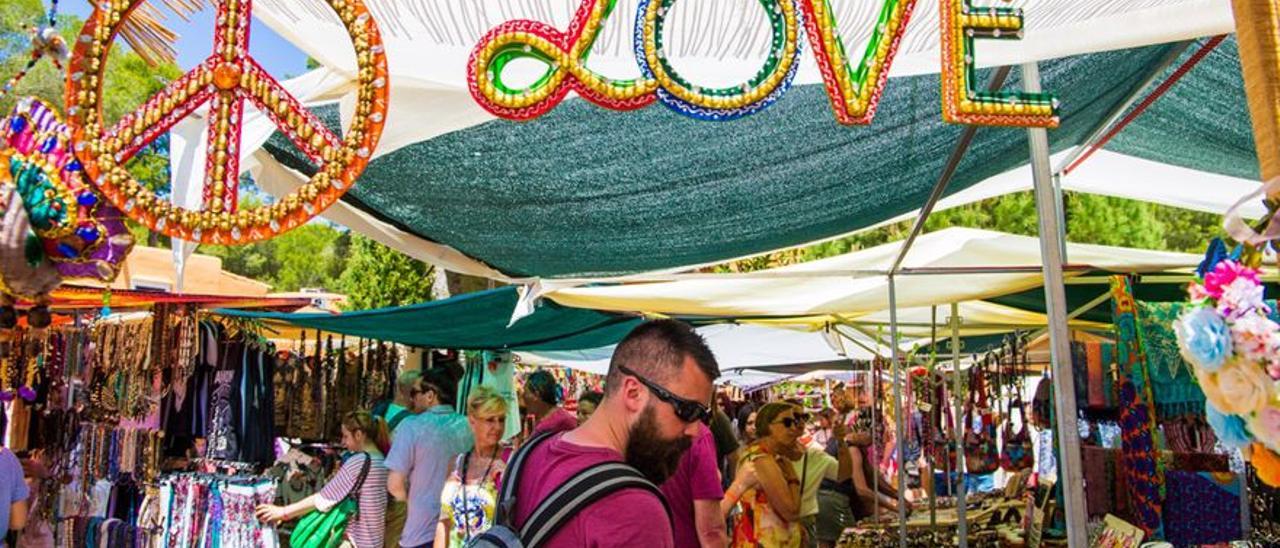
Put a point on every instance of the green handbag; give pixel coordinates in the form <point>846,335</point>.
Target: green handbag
<point>327,529</point>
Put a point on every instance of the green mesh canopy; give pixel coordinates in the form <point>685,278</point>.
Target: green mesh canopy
<point>475,321</point>
<point>587,192</point>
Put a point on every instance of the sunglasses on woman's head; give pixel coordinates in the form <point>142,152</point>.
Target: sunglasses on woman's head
<point>686,410</point>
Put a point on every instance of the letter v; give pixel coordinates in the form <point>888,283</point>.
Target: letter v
<point>855,93</point>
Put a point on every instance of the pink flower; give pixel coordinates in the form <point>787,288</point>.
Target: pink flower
<point>1198,293</point>
<point>1253,337</point>
<point>1241,296</point>
<point>1226,272</point>
<point>1266,426</point>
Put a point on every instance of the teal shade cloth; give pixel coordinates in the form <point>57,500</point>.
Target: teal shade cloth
<point>475,321</point>
<point>583,191</point>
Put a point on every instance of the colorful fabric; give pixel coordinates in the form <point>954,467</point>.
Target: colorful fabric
<point>758,524</point>
<point>1202,508</point>
<point>1173,385</point>
<point>1141,471</point>
<point>1093,353</point>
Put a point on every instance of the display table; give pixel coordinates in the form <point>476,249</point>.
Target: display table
<point>984,520</point>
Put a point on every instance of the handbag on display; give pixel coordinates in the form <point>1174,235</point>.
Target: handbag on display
<point>327,529</point>
<point>1018,450</point>
<point>981,454</point>
<point>942,446</point>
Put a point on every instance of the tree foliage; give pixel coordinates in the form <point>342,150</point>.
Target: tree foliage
<point>377,276</point>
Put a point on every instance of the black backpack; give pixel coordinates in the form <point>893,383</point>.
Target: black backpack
<point>575,494</point>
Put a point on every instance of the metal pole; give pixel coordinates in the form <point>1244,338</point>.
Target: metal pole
<point>948,170</point>
<point>1137,93</point>
<point>1071,477</point>
<point>901,430</point>
<point>958,488</point>
<point>928,455</point>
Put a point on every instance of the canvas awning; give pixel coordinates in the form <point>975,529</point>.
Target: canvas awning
<point>735,347</point>
<point>949,266</point>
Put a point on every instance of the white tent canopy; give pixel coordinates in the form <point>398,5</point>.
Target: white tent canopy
<point>854,285</point>
<point>737,346</point>
<point>748,355</point>
<point>723,38</point>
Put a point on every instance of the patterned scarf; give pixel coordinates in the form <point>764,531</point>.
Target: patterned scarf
<point>1142,472</point>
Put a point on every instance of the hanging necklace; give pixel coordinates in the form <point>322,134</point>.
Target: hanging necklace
<point>466,501</point>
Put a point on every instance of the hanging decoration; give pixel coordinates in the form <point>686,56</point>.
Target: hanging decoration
<point>565,56</point>
<point>962,101</point>
<point>717,104</point>
<point>228,78</point>
<point>1142,470</point>
<point>855,92</point>
<point>1229,335</point>
<point>77,231</point>
<point>45,42</point>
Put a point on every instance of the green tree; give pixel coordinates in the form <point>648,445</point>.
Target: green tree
<point>377,276</point>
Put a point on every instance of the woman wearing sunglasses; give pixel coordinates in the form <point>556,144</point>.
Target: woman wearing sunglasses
<point>770,505</point>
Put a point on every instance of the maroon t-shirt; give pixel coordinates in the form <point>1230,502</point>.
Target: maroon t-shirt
<point>697,477</point>
<point>556,421</point>
<point>630,517</point>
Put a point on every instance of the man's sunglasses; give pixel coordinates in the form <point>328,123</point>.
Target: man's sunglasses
<point>686,410</point>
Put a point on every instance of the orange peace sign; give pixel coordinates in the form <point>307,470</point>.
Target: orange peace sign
<point>228,78</point>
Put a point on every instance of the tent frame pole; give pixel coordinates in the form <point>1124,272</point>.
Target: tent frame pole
<point>1134,96</point>
<point>929,455</point>
<point>899,414</point>
<point>948,171</point>
<point>1052,234</point>
<point>958,488</point>
<point>1074,313</point>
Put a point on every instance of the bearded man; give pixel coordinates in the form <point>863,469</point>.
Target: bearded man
<point>657,391</point>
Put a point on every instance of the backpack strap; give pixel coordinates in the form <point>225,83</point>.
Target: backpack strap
<point>579,492</point>
<point>506,507</point>
<point>395,421</point>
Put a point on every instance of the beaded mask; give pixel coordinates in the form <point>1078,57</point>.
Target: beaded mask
<point>81,234</point>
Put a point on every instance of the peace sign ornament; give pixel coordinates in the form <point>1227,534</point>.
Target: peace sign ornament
<point>225,80</point>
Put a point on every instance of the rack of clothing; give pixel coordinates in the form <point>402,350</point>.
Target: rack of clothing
<point>194,510</point>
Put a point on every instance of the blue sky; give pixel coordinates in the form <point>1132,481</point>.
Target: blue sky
<point>277,55</point>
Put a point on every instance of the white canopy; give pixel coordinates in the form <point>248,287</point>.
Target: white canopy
<point>854,285</point>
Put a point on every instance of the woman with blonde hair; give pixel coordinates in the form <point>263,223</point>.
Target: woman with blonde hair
<point>470,495</point>
<point>363,478</point>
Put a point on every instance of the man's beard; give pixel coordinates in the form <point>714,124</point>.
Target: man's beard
<point>648,452</point>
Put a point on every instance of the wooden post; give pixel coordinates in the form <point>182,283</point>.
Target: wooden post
<point>1258,35</point>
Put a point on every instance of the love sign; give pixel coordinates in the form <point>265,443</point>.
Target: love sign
<point>853,85</point>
